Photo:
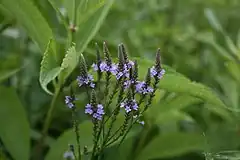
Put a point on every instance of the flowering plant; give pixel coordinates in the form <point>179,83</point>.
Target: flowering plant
<point>133,98</point>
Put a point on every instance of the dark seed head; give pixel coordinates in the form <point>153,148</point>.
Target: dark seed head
<point>83,66</point>
<point>107,54</point>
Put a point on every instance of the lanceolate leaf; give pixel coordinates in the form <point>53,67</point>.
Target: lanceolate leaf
<point>172,144</point>
<point>14,126</point>
<point>68,137</point>
<point>89,28</point>
<point>28,15</point>
<point>49,69</point>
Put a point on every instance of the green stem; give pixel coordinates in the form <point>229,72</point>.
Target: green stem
<point>76,130</point>
<point>50,113</point>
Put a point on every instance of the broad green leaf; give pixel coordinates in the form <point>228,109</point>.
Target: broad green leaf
<point>14,126</point>
<point>213,20</point>
<point>28,15</point>
<point>58,148</point>
<point>178,103</point>
<point>70,61</point>
<point>176,82</point>
<point>173,116</point>
<point>49,69</point>
<point>89,28</point>
<point>180,84</point>
<point>172,144</point>
<point>170,110</point>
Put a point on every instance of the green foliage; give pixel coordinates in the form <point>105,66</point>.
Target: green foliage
<point>89,27</point>
<point>68,137</point>
<point>14,125</point>
<point>200,49</point>
<point>26,13</point>
<point>49,68</point>
<point>172,144</point>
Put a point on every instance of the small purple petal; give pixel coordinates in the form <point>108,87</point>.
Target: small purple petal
<point>153,72</point>
<point>88,111</point>
<point>95,66</point>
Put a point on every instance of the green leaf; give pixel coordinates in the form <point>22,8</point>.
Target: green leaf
<point>180,84</point>
<point>28,15</point>
<point>58,148</point>
<point>171,110</point>
<point>49,69</point>
<point>212,19</point>
<point>69,63</point>
<point>172,144</point>
<point>176,82</point>
<point>89,28</point>
<point>14,126</point>
<point>234,69</point>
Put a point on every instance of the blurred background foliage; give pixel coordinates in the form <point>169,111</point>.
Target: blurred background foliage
<point>200,39</point>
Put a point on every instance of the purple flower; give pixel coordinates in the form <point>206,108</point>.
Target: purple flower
<point>130,64</point>
<point>86,80</point>
<point>104,67</point>
<point>88,109</point>
<point>129,105</point>
<point>95,66</point>
<point>142,88</point>
<point>114,69</point>
<point>127,84</point>
<point>119,75</point>
<point>96,112</point>
<point>154,73</point>
<point>69,101</point>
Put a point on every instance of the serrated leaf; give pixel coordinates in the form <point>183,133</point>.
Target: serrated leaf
<point>28,15</point>
<point>172,144</point>
<point>89,28</point>
<point>49,69</point>
<point>58,148</point>
<point>69,63</point>
<point>14,126</point>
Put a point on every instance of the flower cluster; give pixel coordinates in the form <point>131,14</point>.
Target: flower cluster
<point>114,68</point>
<point>158,74</point>
<point>96,112</point>
<point>129,105</point>
<point>124,72</point>
<point>69,101</point>
<point>85,80</point>
<point>143,88</point>
<point>104,67</point>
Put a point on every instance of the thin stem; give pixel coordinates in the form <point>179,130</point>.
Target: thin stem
<point>76,130</point>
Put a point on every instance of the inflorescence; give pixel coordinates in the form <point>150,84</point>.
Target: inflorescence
<point>132,92</point>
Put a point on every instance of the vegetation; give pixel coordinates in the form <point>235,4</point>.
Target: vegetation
<point>44,45</point>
